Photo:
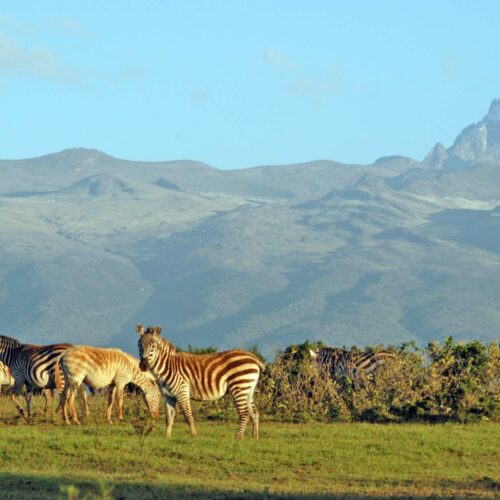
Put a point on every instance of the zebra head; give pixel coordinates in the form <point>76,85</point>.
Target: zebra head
<point>149,341</point>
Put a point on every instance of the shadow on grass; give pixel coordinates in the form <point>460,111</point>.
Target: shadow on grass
<point>33,487</point>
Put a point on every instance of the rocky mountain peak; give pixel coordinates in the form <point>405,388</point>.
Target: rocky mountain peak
<point>436,156</point>
<point>494,112</point>
<point>476,143</point>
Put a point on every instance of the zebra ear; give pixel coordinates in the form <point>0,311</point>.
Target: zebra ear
<point>139,329</point>
<point>313,354</point>
<point>157,330</point>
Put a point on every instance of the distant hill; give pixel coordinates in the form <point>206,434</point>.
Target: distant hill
<point>394,251</point>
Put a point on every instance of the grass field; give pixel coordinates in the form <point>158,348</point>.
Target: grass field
<point>44,458</point>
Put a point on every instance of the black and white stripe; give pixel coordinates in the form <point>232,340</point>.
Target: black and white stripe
<point>184,376</point>
<point>343,363</point>
<point>33,366</point>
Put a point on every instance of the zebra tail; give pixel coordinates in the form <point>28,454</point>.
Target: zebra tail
<point>58,377</point>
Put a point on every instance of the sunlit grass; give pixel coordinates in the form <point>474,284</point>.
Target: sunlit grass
<point>37,458</point>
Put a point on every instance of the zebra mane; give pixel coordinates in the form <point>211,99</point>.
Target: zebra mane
<point>336,350</point>
<point>154,333</point>
<point>9,342</point>
<point>167,345</point>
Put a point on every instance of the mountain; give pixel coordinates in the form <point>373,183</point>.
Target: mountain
<point>394,251</point>
<point>479,142</point>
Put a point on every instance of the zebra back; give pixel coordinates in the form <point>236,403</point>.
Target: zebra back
<point>208,376</point>
<point>341,362</point>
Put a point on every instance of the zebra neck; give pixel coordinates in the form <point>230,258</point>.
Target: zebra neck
<point>140,379</point>
<point>163,360</point>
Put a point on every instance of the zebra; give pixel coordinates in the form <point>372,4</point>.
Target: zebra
<point>99,368</point>
<point>35,366</point>
<point>184,376</point>
<point>341,362</point>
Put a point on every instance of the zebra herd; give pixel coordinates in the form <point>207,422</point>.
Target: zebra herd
<point>160,371</point>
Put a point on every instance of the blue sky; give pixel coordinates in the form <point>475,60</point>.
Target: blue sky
<point>244,83</point>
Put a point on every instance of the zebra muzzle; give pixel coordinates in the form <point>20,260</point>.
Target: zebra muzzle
<point>143,365</point>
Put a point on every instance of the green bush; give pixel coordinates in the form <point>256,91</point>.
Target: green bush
<point>456,381</point>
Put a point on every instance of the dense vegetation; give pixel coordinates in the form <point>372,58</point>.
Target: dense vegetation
<point>453,381</point>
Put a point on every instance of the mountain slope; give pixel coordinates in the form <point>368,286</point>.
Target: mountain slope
<point>351,254</point>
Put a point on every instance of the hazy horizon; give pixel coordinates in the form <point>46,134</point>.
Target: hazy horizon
<point>240,84</point>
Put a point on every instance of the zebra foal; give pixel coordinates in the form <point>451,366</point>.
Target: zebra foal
<point>184,376</point>
<point>341,362</point>
<point>99,368</point>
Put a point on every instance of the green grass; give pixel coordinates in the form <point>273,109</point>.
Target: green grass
<point>44,458</point>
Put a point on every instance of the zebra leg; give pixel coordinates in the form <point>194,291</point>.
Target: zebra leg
<point>85,402</point>
<point>185,405</point>
<point>15,391</point>
<point>73,390</point>
<point>17,405</point>
<point>62,404</point>
<point>59,407</point>
<point>254,415</point>
<point>48,395</point>
<point>242,405</point>
<point>111,402</point>
<point>119,409</point>
<point>169,419</point>
<point>27,396</point>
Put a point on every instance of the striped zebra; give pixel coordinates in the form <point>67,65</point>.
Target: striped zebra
<point>98,368</point>
<point>184,376</point>
<point>33,366</point>
<point>341,363</point>
<point>6,379</point>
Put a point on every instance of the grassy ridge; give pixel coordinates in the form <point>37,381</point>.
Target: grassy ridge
<point>44,458</point>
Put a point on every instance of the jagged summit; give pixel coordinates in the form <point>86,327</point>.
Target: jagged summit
<point>476,143</point>
<point>494,111</point>
<point>436,156</point>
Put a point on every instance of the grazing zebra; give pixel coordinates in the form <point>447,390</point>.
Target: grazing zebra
<point>98,368</point>
<point>35,366</point>
<point>6,379</point>
<point>183,376</point>
<point>341,363</point>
